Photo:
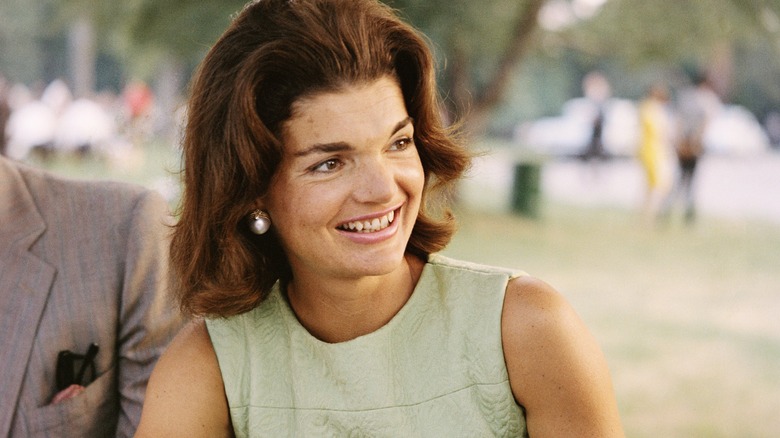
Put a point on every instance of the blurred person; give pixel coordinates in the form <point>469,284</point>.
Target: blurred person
<point>85,127</point>
<point>139,104</point>
<point>57,96</point>
<point>597,91</point>
<point>138,98</point>
<point>772,128</point>
<point>84,310</point>
<point>30,129</point>
<point>655,147</point>
<point>313,145</point>
<point>696,108</point>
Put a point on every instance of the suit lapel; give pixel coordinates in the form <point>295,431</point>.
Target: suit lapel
<point>25,283</point>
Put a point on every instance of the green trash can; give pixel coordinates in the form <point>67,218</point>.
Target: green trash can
<point>525,192</point>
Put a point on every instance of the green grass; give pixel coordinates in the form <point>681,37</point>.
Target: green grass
<point>155,166</point>
<point>687,316</point>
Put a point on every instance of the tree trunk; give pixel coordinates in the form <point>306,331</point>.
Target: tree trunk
<point>490,97</point>
<point>83,55</point>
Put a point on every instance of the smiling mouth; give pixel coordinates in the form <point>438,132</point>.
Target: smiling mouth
<point>369,226</point>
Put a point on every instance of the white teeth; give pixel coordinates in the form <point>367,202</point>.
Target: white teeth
<point>372,225</point>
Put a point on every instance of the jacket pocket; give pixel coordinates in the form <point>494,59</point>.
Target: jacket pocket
<point>93,413</point>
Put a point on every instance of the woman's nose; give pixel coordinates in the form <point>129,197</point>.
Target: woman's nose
<point>375,181</point>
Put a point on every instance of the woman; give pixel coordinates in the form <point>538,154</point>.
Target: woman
<point>313,147</point>
<point>654,149</point>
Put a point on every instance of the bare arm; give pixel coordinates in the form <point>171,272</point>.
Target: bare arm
<point>186,396</point>
<point>556,369</point>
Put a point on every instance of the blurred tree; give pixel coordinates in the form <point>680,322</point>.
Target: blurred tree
<point>480,45</point>
<point>639,30</point>
<point>491,52</point>
<point>166,38</point>
<point>41,40</point>
<point>23,38</point>
<point>485,42</point>
<point>77,24</point>
<point>185,29</point>
<point>700,33</point>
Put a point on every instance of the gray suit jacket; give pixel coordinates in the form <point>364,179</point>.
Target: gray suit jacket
<point>80,262</point>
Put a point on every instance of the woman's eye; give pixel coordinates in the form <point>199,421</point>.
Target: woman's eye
<point>327,166</point>
<point>402,143</point>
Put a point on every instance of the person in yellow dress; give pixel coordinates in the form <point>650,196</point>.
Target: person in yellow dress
<point>654,149</point>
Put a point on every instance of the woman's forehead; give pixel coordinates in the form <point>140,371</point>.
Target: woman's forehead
<point>352,112</point>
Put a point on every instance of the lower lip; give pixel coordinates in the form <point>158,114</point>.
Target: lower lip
<point>376,236</point>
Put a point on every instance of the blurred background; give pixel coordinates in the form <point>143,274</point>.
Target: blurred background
<point>559,98</point>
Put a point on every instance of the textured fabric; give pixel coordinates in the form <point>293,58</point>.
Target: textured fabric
<point>435,370</point>
<point>80,262</point>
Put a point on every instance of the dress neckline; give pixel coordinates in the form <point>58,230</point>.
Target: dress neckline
<point>294,325</point>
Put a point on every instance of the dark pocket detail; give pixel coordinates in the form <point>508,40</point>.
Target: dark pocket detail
<point>92,413</point>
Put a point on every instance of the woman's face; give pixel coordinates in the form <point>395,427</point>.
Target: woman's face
<point>347,192</point>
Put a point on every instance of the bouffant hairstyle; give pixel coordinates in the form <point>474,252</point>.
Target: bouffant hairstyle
<point>274,53</point>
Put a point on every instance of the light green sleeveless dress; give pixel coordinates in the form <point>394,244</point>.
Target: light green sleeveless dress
<point>435,370</point>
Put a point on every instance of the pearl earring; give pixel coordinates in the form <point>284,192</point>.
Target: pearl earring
<point>259,222</point>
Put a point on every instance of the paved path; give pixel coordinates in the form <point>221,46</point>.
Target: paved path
<point>738,187</point>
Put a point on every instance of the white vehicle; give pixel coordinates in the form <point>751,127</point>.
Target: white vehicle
<point>735,130</point>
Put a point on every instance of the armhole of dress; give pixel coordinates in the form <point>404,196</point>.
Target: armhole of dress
<point>517,274</point>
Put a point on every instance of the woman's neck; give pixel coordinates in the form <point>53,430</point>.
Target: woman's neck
<point>340,310</point>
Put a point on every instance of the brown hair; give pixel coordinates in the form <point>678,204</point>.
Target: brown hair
<point>274,53</point>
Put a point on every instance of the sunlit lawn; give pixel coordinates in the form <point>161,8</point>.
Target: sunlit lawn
<point>689,317</point>
<point>155,166</point>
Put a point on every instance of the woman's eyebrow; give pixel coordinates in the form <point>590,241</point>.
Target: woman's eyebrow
<point>400,125</point>
<point>340,146</point>
<point>324,148</point>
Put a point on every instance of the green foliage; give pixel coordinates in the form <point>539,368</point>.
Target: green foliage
<point>478,32</point>
<point>637,40</point>
<point>647,31</point>
<point>479,28</point>
<point>20,24</point>
<point>185,29</point>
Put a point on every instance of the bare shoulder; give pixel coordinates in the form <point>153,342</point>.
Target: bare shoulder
<point>556,368</point>
<point>533,298</point>
<point>538,328</point>
<point>185,395</point>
